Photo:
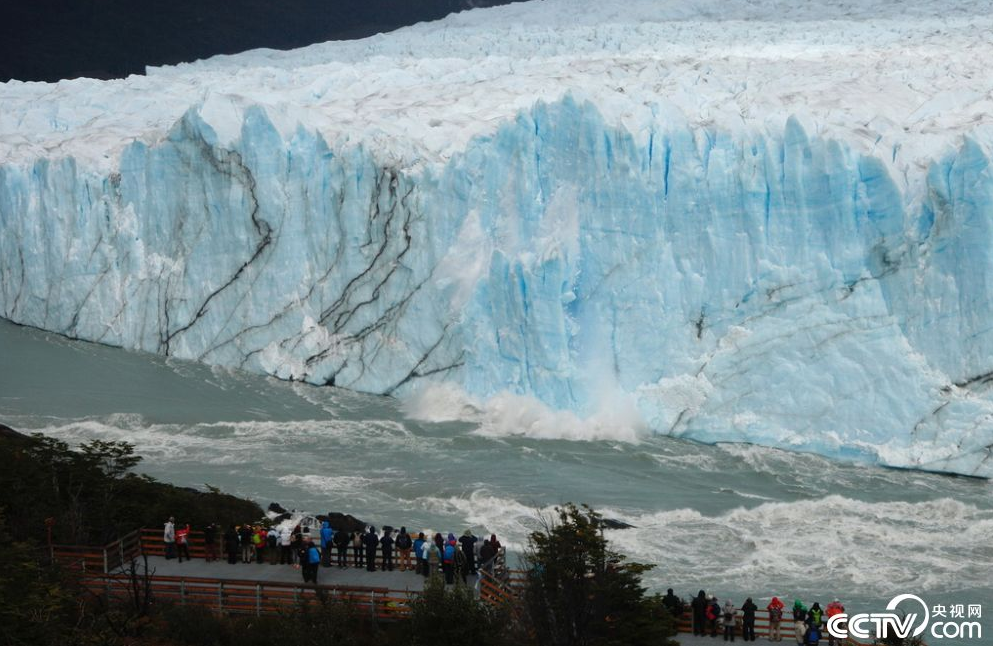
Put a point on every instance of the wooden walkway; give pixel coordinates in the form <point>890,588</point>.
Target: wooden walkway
<point>261,588</point>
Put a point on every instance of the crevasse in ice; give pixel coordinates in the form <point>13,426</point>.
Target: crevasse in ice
<point>781,286</point>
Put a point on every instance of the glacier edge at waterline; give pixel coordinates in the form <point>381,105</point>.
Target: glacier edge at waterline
<point>778,289</point>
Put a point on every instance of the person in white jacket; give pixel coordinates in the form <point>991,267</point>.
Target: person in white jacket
<point>285,540</point>
<point>169,538</point>
<point>729,618</point>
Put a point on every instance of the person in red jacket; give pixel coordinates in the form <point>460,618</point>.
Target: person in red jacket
<point>833,608</point>
<point>775,609</point>
<point>183,542</point>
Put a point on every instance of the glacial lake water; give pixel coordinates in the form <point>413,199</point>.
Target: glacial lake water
<point>734,519</point>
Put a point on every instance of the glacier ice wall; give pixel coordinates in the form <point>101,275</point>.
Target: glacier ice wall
<point>776,289</point>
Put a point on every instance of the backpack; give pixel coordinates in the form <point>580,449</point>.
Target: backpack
<point>713,611</point>
<point>403,542</point>
<point>815,616</point>
<point>776,614</point>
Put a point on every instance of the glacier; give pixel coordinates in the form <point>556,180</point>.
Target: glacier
<point>772,231</point>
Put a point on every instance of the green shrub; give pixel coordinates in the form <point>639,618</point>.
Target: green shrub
<point>443,616</point>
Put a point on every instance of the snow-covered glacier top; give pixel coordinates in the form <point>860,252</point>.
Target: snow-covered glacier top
<point>759,221</point>
<point>882,74</point>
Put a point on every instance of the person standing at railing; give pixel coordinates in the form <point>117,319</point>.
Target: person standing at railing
<point>748,620</point>
<point>182,542</point>
<point>210,542</point>
<point>487,556</point>
<point>673,604</point>
<point>432,557</point>
<point>419,554</point>
<point>231,544</point>
<point>272,545</point>
<point>387,545</point>
<point>448,560</point>
<point>371,542</point>
<point>699,607</point>
<point>833,608</point>
<point>799,621</point>
<point>245,535</point>
<point>259,542</point>
<point>285,544</point>
<point>404,545</point>
<point>713,615</point>
<point>169,538</point>
<point>327,540</point>
<point>775,609</point>
<point>728,620</point>
<point>357,551</point>
<point>468,543</point>
<point>341,539</point>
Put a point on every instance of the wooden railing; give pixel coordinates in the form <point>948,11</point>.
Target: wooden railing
<point>256,597</point>
<point>98,559</point>
<point>153,545</point>
<point>762,627</point>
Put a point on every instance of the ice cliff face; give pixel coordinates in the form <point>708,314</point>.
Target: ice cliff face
<point>800,283</point>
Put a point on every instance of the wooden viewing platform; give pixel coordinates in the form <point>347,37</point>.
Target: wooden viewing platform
<point>253,588</point>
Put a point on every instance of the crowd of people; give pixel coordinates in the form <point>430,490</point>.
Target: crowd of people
<point>422,554</point>
<point>710,616</point>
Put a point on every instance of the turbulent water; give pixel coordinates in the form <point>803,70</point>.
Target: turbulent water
<point>732,518</point>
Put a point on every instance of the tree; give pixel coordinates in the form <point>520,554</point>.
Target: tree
<point>453,617</point>
<point>581,593</point>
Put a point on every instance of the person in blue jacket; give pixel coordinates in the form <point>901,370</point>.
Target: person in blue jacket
<point>448,560</point>
<point>311,562</point>
<point>418,554</point>
<point>327,539</point>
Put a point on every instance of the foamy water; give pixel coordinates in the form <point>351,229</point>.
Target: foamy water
<point>734,519</point>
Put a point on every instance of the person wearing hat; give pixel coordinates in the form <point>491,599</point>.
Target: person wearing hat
<point>468,543</point>
<point>169,538</point>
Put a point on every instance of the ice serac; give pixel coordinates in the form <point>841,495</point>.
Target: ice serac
<point>784,284</point>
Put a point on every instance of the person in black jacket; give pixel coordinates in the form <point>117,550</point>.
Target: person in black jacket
<point>247,549</point>
<point>387,542</point>
<point>673,604</point>
<point>231,545</point>
<point>699,607</point>
<point>371,542</point>
<point>486,556</point>
<point>341,541</point>
<point>403,545</point>
<point>748,620</point>
<point>468,543</point>
<point>210,542</point>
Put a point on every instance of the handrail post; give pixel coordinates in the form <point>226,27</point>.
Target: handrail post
<point>258,599</point>
<point>106,570</point>
<point>372,604</point>
<point>220,596</point>
<point>182,592</point>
